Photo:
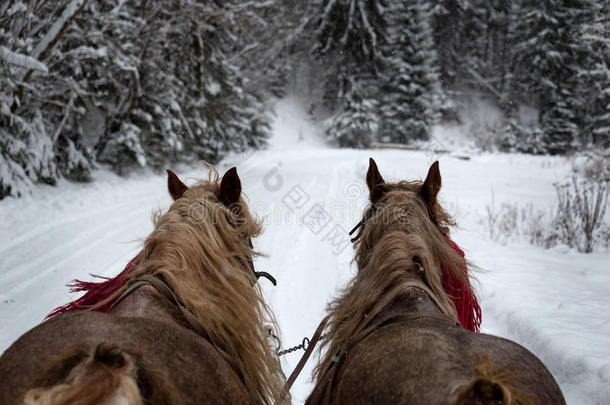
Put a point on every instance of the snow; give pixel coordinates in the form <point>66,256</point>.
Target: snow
<point>90,52</point>
<point>24,61</point>
<point>68,12</point>
<point>213,87</point>
<point>291,128</point>
<point>554,302</point>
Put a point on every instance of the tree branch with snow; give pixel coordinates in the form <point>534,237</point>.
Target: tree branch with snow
<point>21,60</point>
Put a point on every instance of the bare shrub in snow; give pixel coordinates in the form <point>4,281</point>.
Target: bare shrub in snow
<point>577,221</point>
<point>510,222</point>
<point>534,224</point>
<point>492,219</point>
<point>579,217</point>
<point>596,167</point>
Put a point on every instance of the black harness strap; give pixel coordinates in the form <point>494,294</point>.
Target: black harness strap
<point>363,221</point>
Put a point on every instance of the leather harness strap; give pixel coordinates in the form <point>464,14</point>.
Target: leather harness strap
<point>160,285</point>
<point>333,373</point>
<point>163,289</point>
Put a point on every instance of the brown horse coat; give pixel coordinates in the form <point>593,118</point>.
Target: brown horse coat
<point>393,335</point>
<point>190,364</point>
<point>143,350</point>
<point>431,360</point>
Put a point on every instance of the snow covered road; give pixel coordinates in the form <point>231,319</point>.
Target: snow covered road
<point>554,302</point>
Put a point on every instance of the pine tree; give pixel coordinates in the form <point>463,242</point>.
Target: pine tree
<point>353,29</point>
<point>413,96</point>
<point>350,36</point>
<point>600,119</point>
<point>233,115</point>
<point>272,40</point>
<point>130,84</point>
<point>189,101</point>
<point>550,55</point>
<point>449,19</point>
<point>473,47</point>
<point>357,122</point>
<point>546,58</point>
<point>594,75</point>
<point>29,145</point>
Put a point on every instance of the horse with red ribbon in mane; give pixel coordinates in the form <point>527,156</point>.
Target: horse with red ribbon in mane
<point>184,323</point>
<point>405,329</point>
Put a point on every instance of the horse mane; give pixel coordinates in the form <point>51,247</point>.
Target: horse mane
<point>398,239</point>
<point>197,247</point>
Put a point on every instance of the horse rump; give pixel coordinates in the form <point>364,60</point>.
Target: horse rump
<point>104,375</point>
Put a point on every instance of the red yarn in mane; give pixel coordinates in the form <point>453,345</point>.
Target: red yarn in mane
<point>468,310</point>
<point>96,292</point>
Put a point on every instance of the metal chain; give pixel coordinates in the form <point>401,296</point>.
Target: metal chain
<point>303,346</point>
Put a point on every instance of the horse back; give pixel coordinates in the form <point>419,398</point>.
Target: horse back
<point>433,362</point>
<point>190,365</point>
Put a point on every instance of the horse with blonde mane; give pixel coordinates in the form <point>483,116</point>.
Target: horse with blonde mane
<point>183,324</point>
<point>394,335</point>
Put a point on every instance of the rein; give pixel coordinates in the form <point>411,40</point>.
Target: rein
<point>249,261</point>
<point>308,350</point>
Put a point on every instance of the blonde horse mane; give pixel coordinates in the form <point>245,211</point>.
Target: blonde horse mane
<point>198,247</point>
<point>397,240</point>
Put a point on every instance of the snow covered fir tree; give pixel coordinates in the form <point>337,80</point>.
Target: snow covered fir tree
<point>349,38</point>
<point>149,83</point>
<point>541,55</point>
<point>413,95</point>
<point>546,54</point>
<point>128,84</point>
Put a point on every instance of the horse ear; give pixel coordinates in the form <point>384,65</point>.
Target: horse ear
<point>432,184</point>
<point>230,187</point>
<point>373,177</point>
<point>175,186</point>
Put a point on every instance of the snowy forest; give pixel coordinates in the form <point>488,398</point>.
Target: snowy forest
<point>149,83</point>
<point>508,99</point>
